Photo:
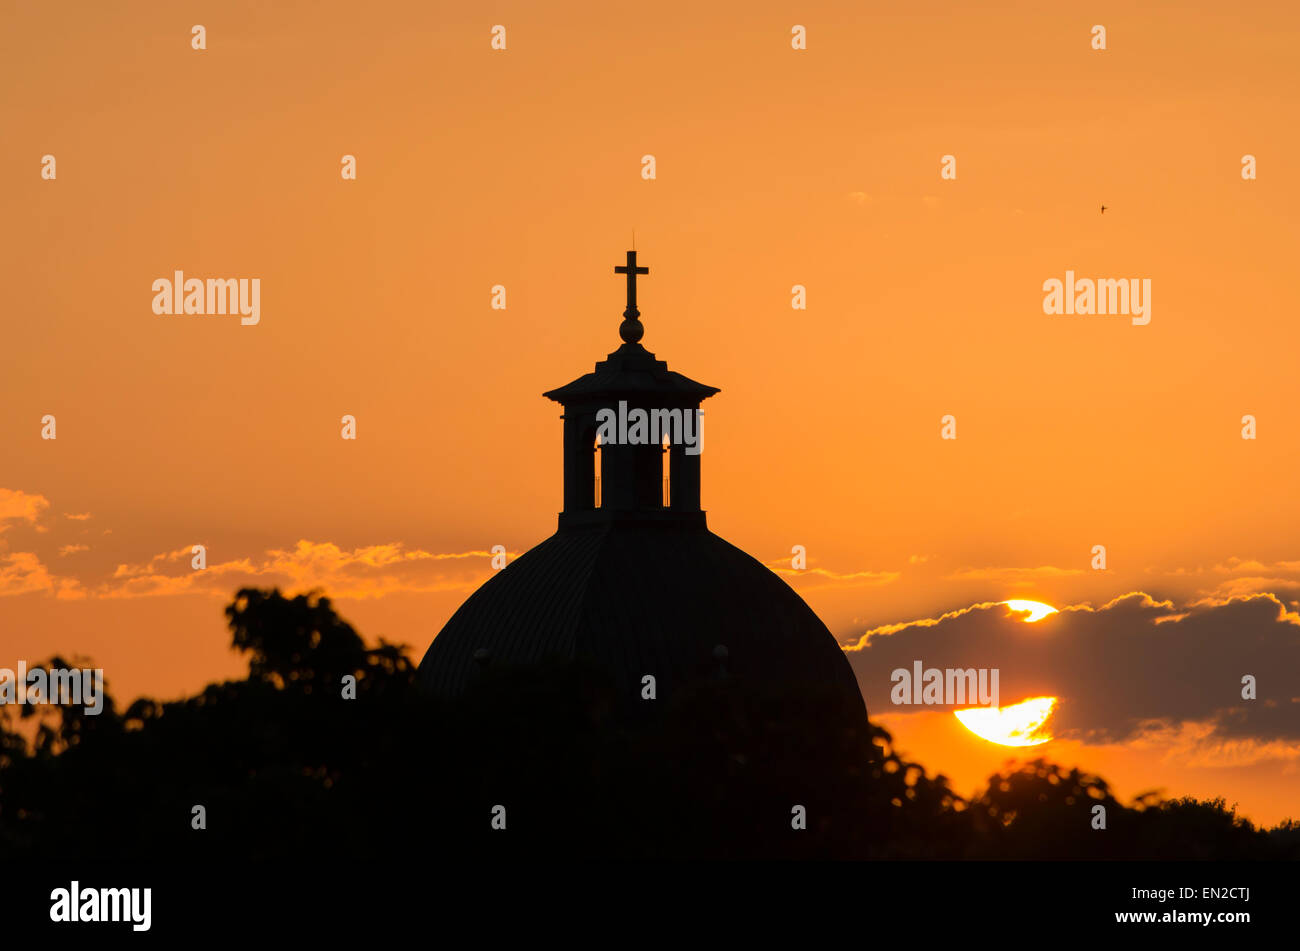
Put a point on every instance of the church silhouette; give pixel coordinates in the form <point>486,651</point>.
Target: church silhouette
<point>633,582</point>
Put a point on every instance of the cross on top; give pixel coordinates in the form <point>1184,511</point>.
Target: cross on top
<point>631,270</point>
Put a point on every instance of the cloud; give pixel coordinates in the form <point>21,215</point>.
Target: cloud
<point>1237,577</point>
<point>70,589</point>
<point>83,517</point>
<point>847,579</point>
<point>1200,743</point>
<point>1240,587</point>
<point>1135,667</point>
<point>153,565</point>
<point>1235,564</point>
<point>1246,576</point>
<point>370,571</point>
<point>1013,575</point>
<point>20,506</point>
<point>23,573</point>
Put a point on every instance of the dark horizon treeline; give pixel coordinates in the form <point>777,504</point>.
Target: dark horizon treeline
<point>287,768</point>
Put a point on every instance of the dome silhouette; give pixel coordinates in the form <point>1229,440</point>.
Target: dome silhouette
<point>635,600</point>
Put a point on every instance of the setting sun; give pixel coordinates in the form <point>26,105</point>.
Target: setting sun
<point>1016,725</point>
<point>1037,609</point>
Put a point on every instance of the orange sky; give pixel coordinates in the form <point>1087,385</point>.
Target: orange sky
<point>522,168</point>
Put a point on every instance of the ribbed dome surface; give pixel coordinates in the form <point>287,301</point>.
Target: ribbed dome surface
<point>637,599</point>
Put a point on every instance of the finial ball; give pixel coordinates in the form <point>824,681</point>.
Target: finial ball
<point>631,330</point>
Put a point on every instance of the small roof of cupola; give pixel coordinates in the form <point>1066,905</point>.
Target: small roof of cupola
<point>632,370</point>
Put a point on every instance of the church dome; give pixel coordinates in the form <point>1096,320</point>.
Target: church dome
<point>637,599</point>
<point>633,581</point>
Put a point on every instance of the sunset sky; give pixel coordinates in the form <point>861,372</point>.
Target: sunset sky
<point>774,167</point>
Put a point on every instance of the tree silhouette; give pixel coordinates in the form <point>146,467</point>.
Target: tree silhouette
<point>286,766</point>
